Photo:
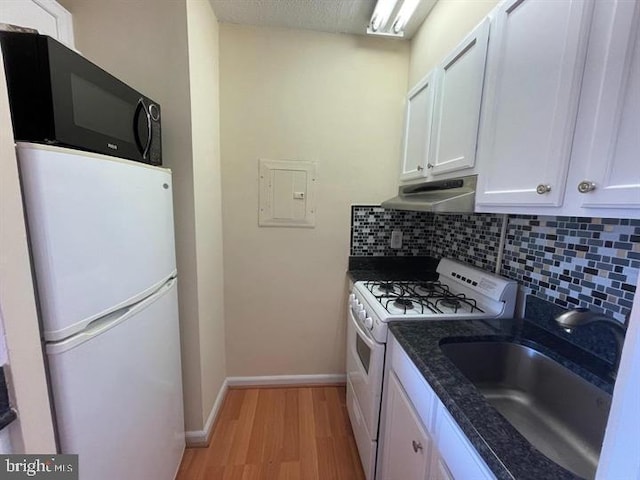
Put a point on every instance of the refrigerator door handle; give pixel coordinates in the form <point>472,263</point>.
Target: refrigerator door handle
<point>109,321</point>
<point>103,323</point>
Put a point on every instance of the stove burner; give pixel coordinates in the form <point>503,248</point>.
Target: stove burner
<point>427,287</point>
<point>450,302</point>
<point>404,303</point>
<point>386,287</point>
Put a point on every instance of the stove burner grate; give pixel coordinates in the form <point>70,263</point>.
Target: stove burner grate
<point>387,287</point>
<point>455,302</point>
<point>422,297</point>
<point>403,303</point>
<point>450,302</point>
<point>392,303</point>
<point>427,287</point>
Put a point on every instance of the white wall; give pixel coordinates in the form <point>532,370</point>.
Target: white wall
<point>447,24</point>
<point>146,44</point>
<point>300,95</point>
<point>25,373</point>
<point>205,125</point>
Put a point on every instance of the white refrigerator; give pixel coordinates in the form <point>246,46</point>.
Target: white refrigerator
<point>102,245</point>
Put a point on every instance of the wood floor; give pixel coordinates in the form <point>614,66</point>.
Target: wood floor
<point>278,433</point>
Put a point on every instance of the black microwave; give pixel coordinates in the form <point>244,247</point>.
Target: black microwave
<point>58,97</point>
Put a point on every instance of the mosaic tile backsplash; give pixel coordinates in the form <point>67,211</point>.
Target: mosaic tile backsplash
<point>587,262</point>
<point>471,238</point>
<point>572,261</point>
<point>371,228</point>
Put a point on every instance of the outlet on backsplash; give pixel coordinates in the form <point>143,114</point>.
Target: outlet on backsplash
<point>570,261</point>
<point>396,239</point>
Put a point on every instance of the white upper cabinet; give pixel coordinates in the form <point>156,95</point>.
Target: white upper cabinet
<point>534,69</point>
<point>443,112</point>
<point>459,82</point>
<point>46,16</point>
<point>605,169</point>
<point>417,129</point>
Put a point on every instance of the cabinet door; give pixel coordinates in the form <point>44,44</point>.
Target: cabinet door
<point>458,96</point>
<point>407,446</point>
<point>417,129</point>
<point>461,459</point>
<point>47,16</point>
<point>534,67</point>
<point>439,470</point>
<point>606,156</point>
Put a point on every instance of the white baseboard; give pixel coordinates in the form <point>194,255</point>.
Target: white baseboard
<point>200,438</point>
<point>275,380</point>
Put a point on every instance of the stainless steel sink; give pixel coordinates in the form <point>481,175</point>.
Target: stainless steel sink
<point>557,411</point>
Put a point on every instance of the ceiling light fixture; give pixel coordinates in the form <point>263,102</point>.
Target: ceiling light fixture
<point>381,15</point>
<point>403,16</point>
<point>400,10</point>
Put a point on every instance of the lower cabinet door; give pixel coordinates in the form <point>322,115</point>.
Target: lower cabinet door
<point>456,452</point>
<point>439,470</point>
<point>407,446</point>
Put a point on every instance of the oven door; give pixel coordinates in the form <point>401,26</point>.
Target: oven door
<point>365,369</point>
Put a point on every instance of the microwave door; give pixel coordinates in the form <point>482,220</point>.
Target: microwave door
<point>142,128</point>
<point>91,107</point>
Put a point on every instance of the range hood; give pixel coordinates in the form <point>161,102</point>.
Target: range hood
<point>454,195</point>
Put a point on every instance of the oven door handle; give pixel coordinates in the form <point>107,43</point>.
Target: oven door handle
<point>366,336</point>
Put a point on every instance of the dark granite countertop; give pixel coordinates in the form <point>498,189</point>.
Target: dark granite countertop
<point>392,268</point>
<point>507,453</point>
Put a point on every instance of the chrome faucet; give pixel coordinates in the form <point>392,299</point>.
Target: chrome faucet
<point>583,316</point>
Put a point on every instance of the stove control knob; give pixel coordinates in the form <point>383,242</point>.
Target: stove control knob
<point>352,297</point>
<point>368,322</point>
<point>362,315</point>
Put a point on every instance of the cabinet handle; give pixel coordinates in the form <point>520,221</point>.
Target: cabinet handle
<point>429,165</point>
<point>542,189</point>
<point>420,168</point>
<point>586,186</point>
<point>416,446</point>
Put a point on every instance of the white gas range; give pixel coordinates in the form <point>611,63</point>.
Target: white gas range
<point>460,292</point>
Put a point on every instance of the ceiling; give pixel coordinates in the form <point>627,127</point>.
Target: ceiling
<point>333,16</point>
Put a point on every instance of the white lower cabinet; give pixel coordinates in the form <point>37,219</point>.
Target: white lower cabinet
<point>439,468</point>
<point>419,439</point>
<point>456,451</point>
<point>407,452</point>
